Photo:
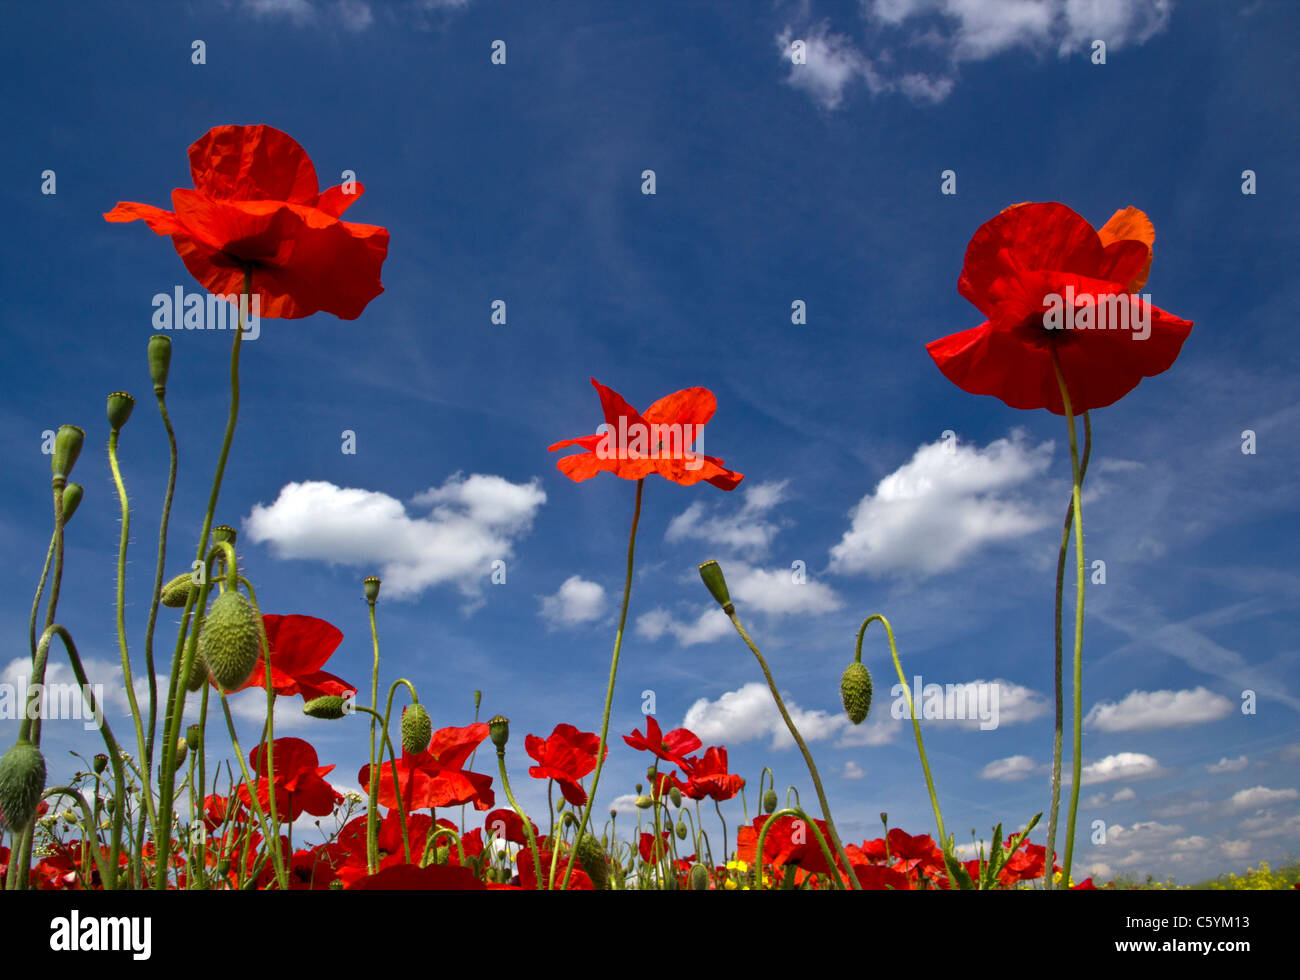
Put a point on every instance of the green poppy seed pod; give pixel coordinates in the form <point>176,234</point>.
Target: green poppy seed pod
<point>638,789</point>
<point>176,593</point>
<point>417,729</point>
<point>644,802</point>
<point>224,532</point>
<point>370,584</point>
<point>120,406</point>
<point>613,814</point>
<point>67,447</point>
<point>182,750</point>
<point>198,675</point>
<point>194,737</point>
<point>711,573</point>
<point>22,780</point>
<point>160,361</point>
<point>681,830</point>
<point>569,819</point>
<point>675,795</point>
<point>230,640</point>
<point>499,730</point>
<point>72,495</point>
<point>100,763</point>
<point>591,858</point>
<point>855,689</point>
<point>699,878</point>
<point>769,801</point>
<point>330,707</point>
<point>884,818</point>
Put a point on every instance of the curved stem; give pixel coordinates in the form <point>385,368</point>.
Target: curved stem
<point>280,874</point>
<point>528,827</point>
<point>40,589</point>
<point>372,815</point>
<point>613,673</point>
<point>1078,624</point>
<point>812,824</point>
<point>1049,883</point>
<point>268,739</point>
<point>730,610</point>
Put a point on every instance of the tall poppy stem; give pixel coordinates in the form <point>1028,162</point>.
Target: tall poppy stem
<point>176,690</point>
<point>1048,882</point>
<point>1078,623</point>
<point>613,674</point>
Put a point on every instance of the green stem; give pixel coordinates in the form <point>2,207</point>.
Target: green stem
<point>613,674</point>
<point>281,875</point>
<point>1078,624</point>
<point>812,825</point>
<point>730,610</point>
<point>40,589</point>
<point>372,816</point>
<point>528,827</point>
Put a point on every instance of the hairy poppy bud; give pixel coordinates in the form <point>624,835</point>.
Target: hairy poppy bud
<point>769,801</point>
<point>699,878</point>
<point>675,795</point>
<point>198,675</point>
<point>67,447</point>
<point>120,405</point>
<point>328,706</point>
<point>160,361</point>
<point>884,818</point>
<point>176,593</point>
<point>370,584</point>
<point>100,763</point>
<point>855,689</point>
<point>644,802</point>
<point>194,737</point>
<point>499,730</point>
<point>569,819</point>
<point>230,640</point>
<point>591,858</point>
<point>559,806</point>
<point>223,867</point>
<point>681,830</point>
<point>22,780</point>
<point>417,729</point>
<point>182,750</point>
<point>711,573</point>
<point>224,532</point>
<point>110,804</point>
<point>72,495</point>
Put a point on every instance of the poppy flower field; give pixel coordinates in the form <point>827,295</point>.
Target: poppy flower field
<point>182,787</point>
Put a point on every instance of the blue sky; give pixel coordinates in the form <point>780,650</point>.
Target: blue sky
<point>522,182</point>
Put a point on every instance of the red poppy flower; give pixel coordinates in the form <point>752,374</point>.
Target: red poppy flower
<point>256,204</point>
<point>671,747</point>
<point>1087,886</point>
<point>566,757</point>
<point>435,777</point>
<point>300,785</point>
<point>409,877</point>
<point>579,881</point>
<point>299,646</point>
<point>1046,280</point>
<point>508,824</point>
<point>789,841</point>
<point>661,440</point>
<point>709,776</point>
<point>663,784</point>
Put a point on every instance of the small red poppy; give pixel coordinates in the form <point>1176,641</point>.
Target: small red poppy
<point>566,756</point>
<point>299,646</point>
<point>671,747</point>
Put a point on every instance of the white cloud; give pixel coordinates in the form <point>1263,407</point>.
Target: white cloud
<point>471,523</point>
<point>1122,765</point>
<point>1145,710</point>
<point>1228,765</point>
<point>1259,796</point>
<point>833,64</point>
<point>853,771</point>
<point>1124,795</point>
<point>1010,769</point>
<point>747,531</point>
<point>1236,849</point>
<point>624,804</point>
<point>941,507</point>
<point>712,624</point>
<point>576,601</point>
<point>750,713</point>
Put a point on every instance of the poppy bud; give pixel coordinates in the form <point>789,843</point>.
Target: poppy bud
<point>223,867</point>
<point>194,737</point>
<point>182,750</point>
<point>120,405</point>
<point>855,690</point>
<point>644,802</point>
<point>884,818</point>
<point>498,729</point>
<point>769,801</point>
<point>699,878</point>
<point>176,593</point>
<point>67,447</point>
<point>711,573</point>
<point>591,858</point>
<point>417,729</point>
<point>224,532</point>
<point>110,804</point>
<point>198,675</point>
<point>160,361</point>
<point>638,789</point>
<point>681,830</point>
<point>100,763</point>
<point>370,585</point>
<point>72,494</point>
<point>443,854</point>
<point>22,780</point>
<point>559,806</point>
<point>675,795</point>
<point>478,699</point>
<point>336,885</point>
<point>230,640</point>
<point>613,814</point>
<point>328,706</point>
<point>569,820</point>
